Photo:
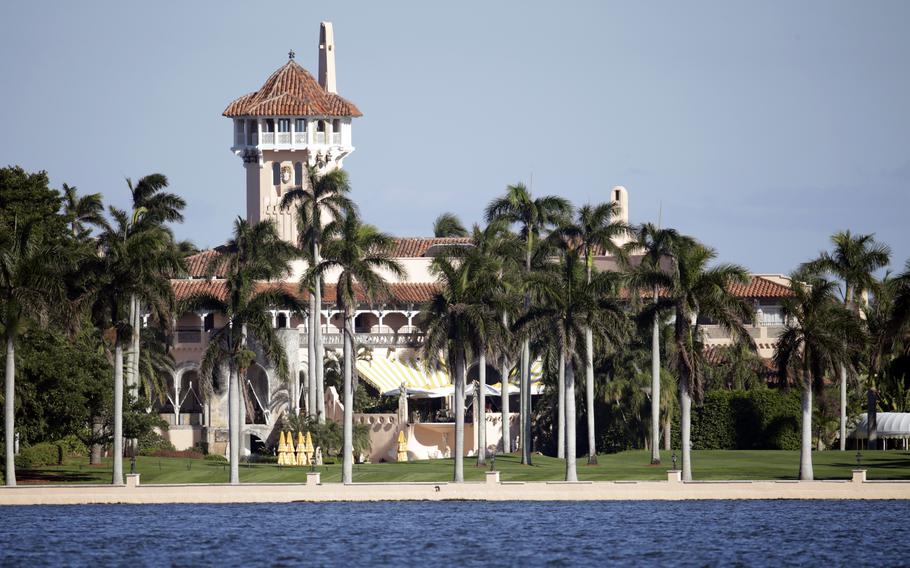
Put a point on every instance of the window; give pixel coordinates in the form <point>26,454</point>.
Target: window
<point>276,173</point>
<point>284,125</point>
<point>336,125</point>
<point>616,195</point>
<point>208,323</point>
<point>300,125</point>
<point>238,126</point>
<point>320,126</point>
<point>298,174</point>
<point>269,125</point>
<point>771,315</point>
<point>281,321</point>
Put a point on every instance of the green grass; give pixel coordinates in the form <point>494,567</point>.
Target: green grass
<point>632,465</point>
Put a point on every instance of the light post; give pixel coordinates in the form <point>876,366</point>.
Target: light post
<point>673,457</point>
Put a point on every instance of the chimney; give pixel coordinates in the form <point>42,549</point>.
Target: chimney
<point>327,57</point>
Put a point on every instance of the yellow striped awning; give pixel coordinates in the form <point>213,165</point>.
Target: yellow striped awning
<point>388,374</point>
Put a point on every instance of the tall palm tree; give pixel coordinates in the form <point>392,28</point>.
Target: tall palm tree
<point>594,230</point>
<point>131,263</point>
<point>322,199</point>
<point>31,289</point>
<point>448,225</point>
<point>854,260</point>
<point>534,218</point>
<point>362,254</point>
<point>152,207</point>
<point>695,291</point>
<point>82,211</point>
<point>254,255</point>
<point>816,340</point>
<point>570,304</point>
<point>459,322</point>
<point>657,249</point>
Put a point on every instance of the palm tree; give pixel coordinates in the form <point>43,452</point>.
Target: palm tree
<point>570,304</point>
<point>696,291</point>
<point>459,322</point>
<point>131,263</point>
<point>657,248</point>
<point>448,225</point>
<point>594,231</point>
<point>816,340</point>
<point>854,260</point>
<point>254,254</point>
<point>82,211</point>
<point>30,290</point>
<point>362,254</point>
<point>533,217</point>
<point>152,208</point>
<point>323,193</point>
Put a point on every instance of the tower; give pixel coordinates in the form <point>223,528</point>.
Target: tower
<point>289,123</point>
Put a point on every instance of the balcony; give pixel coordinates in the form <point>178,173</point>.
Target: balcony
<point>336,138</point>
<point>369,339</point>
<point>287,140</point>
<point>191,335</point>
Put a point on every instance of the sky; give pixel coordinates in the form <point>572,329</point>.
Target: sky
<point>759,127</point>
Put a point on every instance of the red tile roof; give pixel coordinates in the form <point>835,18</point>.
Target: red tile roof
<point>197,264</point>
<point>411,247</point>
<point>291,91</point>
<point>760,287</point>
<point>403,292</point>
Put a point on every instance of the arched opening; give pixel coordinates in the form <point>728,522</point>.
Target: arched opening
<point>281,321</point>
<point>190,393</point>
<point>363,323</point>
<point>393,322</point>
<point>256,390</point>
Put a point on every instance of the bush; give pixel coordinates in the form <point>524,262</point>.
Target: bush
<point>151,443</point>
<point>187,454</point>
<point>218,458</point>
<point>762,419</point>
<point>72,447</point>
<point>40,455</point>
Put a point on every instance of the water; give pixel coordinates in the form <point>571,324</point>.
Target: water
<point>431,534</point>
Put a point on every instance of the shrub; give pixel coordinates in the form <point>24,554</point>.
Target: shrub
<point>215,458</point>
<point>188,454</point>
<point>73,447</point>
<point>151,443</point>
<point>761,419</point>
<point>40,455</point>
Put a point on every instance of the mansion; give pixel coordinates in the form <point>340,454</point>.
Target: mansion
<point>292,121</point>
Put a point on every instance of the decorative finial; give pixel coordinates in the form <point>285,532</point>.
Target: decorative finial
<point>291,54</point>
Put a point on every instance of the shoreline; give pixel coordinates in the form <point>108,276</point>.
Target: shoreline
<point>673,489</point>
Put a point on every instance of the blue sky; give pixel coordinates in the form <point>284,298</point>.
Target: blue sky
<point>760,128</point>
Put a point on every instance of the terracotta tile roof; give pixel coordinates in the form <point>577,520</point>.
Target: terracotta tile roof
<point>291,91</point>
<point>760,287</point>
<point>403,292</point>
<point>411,247</point>
<point>197,264</point>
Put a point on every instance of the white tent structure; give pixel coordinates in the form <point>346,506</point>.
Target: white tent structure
<point>889,426</point>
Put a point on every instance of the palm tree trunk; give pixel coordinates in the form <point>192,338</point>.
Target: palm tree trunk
<point>118,413</point>
<point>805,452</point>
<point>571,474</point>
<point>561,401</point>
<point>589,395</point>
<point>872,418</point>
<point>134,363</point>
<point>234,423</point>
<point>97,448</point>
<point>685,426</point>
<point>459,416</point>
<point>9,408</point>
<point>655,388</point>
<point>311,358</point>
<point>320,351</point>
<point>504,395</point>
<point>668,425</point>
<point>348,446</point>
<point>843,408</point>
<point>482,409</point>
<point>526,402</point>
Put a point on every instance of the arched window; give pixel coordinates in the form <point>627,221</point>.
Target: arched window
<point>208,323</point>
<point>298,174</point>
<point>276,173</point>
<point>281,322</point>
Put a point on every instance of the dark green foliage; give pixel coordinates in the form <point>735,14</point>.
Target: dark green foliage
<point>152,443</point>
<point>218,458</point>
<point>764,419</point>
<point>25,197</point>
<point>328,436</point>
<point>40,455</point>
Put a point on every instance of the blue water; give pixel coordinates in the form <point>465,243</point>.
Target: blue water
<point>694,533</point>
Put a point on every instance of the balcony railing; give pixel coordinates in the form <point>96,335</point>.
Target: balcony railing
<point>300,138</point>
<point>268,137</point>
<point>284,137</point>
<point>189,336</point>
<point>370,339</point>
<point>336,138</point>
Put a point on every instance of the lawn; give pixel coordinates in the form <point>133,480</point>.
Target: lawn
<point>631,465</point>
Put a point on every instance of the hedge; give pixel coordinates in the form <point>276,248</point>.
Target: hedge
<point>40,455</point>
<point>765,419</point>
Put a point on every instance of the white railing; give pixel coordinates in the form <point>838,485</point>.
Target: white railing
<point>284,137</point>
<point>320,138</point>
<point>336,138</point>
<point>370,339</point>
<point>300,138</point>
<point>268,137</point>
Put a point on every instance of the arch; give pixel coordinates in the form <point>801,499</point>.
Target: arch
<point>281,320</point>
<point>257,391</point>
<point>394,321</point>
<point>364,322</point>
<point>276,173</point>
<point>473,373</point>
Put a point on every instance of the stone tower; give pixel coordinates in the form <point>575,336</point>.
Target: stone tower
<point>291,122</point>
